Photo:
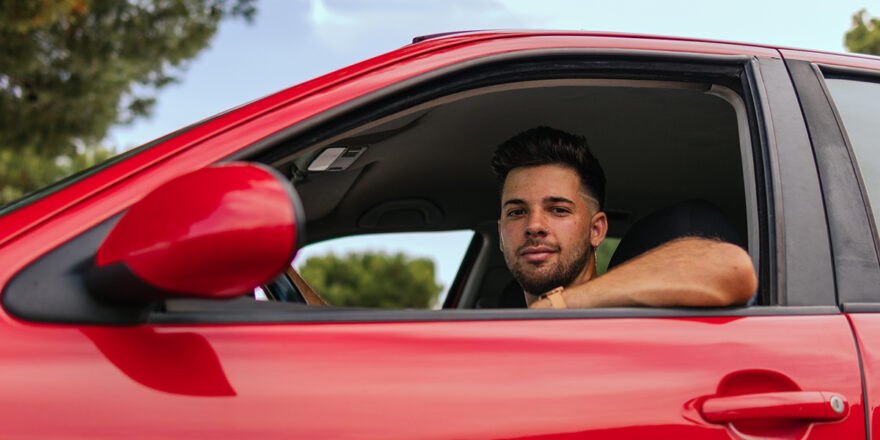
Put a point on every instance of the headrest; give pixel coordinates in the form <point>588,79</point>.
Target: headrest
<point>512,297</point>
<point>692,218</point>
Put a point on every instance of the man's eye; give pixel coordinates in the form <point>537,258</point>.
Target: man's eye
<point>560,210</point>
<point>515,212</point>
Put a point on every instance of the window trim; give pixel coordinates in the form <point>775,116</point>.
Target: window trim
<point>847,212</point>
<point>795,212</point>
<point>851,74</point>
<point>265,312</point>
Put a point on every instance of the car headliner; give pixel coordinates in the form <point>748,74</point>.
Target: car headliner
<point>659,143</point>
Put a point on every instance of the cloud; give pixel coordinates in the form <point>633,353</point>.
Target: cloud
<point>345,25</point>
<point>319,15</point>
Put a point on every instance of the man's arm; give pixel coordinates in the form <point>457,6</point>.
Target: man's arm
<point>690,272</point>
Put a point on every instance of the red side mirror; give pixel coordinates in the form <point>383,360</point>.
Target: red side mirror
<point>215,233</point>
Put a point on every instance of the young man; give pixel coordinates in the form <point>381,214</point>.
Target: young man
<point>553,193</point>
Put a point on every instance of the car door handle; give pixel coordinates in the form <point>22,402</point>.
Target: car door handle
<point>804,405</point>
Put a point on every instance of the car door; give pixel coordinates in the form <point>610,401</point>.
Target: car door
<point>788,368</point>
<point>839,96</point>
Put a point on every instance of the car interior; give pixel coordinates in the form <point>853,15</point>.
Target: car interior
<point>677,155</point>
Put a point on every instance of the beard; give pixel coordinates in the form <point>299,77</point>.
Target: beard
<point>566,271</point>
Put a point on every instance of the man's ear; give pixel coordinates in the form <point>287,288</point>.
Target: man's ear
<point>598,228</point>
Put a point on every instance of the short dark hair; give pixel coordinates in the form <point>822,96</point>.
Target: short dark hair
<point>549,146</point>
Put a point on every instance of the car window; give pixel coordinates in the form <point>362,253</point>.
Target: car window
<point>858,104</point>
<point>402,270</point>
<point>662,144</point>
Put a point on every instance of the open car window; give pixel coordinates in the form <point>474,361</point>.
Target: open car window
<point>403,270</point>
<point>661,143</point>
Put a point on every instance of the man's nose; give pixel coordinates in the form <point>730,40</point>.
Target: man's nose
<point>537,225</point>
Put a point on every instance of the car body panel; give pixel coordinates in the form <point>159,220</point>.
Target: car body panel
<point>867,331</point>
<point>526,378</point>
<point>561,378</point>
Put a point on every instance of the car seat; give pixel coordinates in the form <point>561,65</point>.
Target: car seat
<point>691,218</point>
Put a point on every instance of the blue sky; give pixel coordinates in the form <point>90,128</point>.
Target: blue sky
<point>291,41</point>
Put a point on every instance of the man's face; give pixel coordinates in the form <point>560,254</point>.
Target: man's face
<point>548,227</point>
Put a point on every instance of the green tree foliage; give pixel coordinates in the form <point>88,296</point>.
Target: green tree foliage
<point>604,253</point>
<point>373,279</point>
<point>70,69</point>
<point>864,36</point>
<point>22,171</point>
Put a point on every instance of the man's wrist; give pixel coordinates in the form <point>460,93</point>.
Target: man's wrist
<point>555,298</point>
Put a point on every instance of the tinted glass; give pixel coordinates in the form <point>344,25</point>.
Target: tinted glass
<point>858,103</point>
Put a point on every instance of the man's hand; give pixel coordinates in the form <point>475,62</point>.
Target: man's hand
<point>687,272</point>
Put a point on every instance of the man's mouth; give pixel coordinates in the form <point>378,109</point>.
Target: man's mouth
<point>537,253</point>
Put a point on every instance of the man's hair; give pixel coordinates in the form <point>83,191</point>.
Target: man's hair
<point>549,146</point>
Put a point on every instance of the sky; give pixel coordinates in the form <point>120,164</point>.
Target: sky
<point>291,41</point>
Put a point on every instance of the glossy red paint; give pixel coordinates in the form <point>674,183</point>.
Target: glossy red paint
<point>216,232</point>
<point>551,379</point>
<point>181,363</point>
<point>866,327</point>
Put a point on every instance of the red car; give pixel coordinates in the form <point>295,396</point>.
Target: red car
<point>124,289</point>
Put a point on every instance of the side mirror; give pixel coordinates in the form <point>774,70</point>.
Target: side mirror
<point>213,233</point>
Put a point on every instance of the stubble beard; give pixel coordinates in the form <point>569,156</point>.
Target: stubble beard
<point>565,272</point>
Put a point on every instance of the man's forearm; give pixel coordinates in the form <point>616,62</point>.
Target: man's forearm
<point>690,272</point>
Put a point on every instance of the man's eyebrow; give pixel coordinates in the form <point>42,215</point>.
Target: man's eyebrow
<point>549,199</point>
<point>553,199</point>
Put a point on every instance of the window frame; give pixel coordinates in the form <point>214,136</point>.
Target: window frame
<point>651,62</point>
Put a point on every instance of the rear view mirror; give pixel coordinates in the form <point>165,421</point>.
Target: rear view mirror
<point>213,233</point>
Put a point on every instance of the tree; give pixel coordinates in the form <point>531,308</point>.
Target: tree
<point>373,279</point>
<point>863,37</point>
<point>24,171</point>
<point>604,253</point>
<point>70,69</point>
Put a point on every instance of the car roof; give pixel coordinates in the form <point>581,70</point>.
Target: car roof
<point>818,56</point>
